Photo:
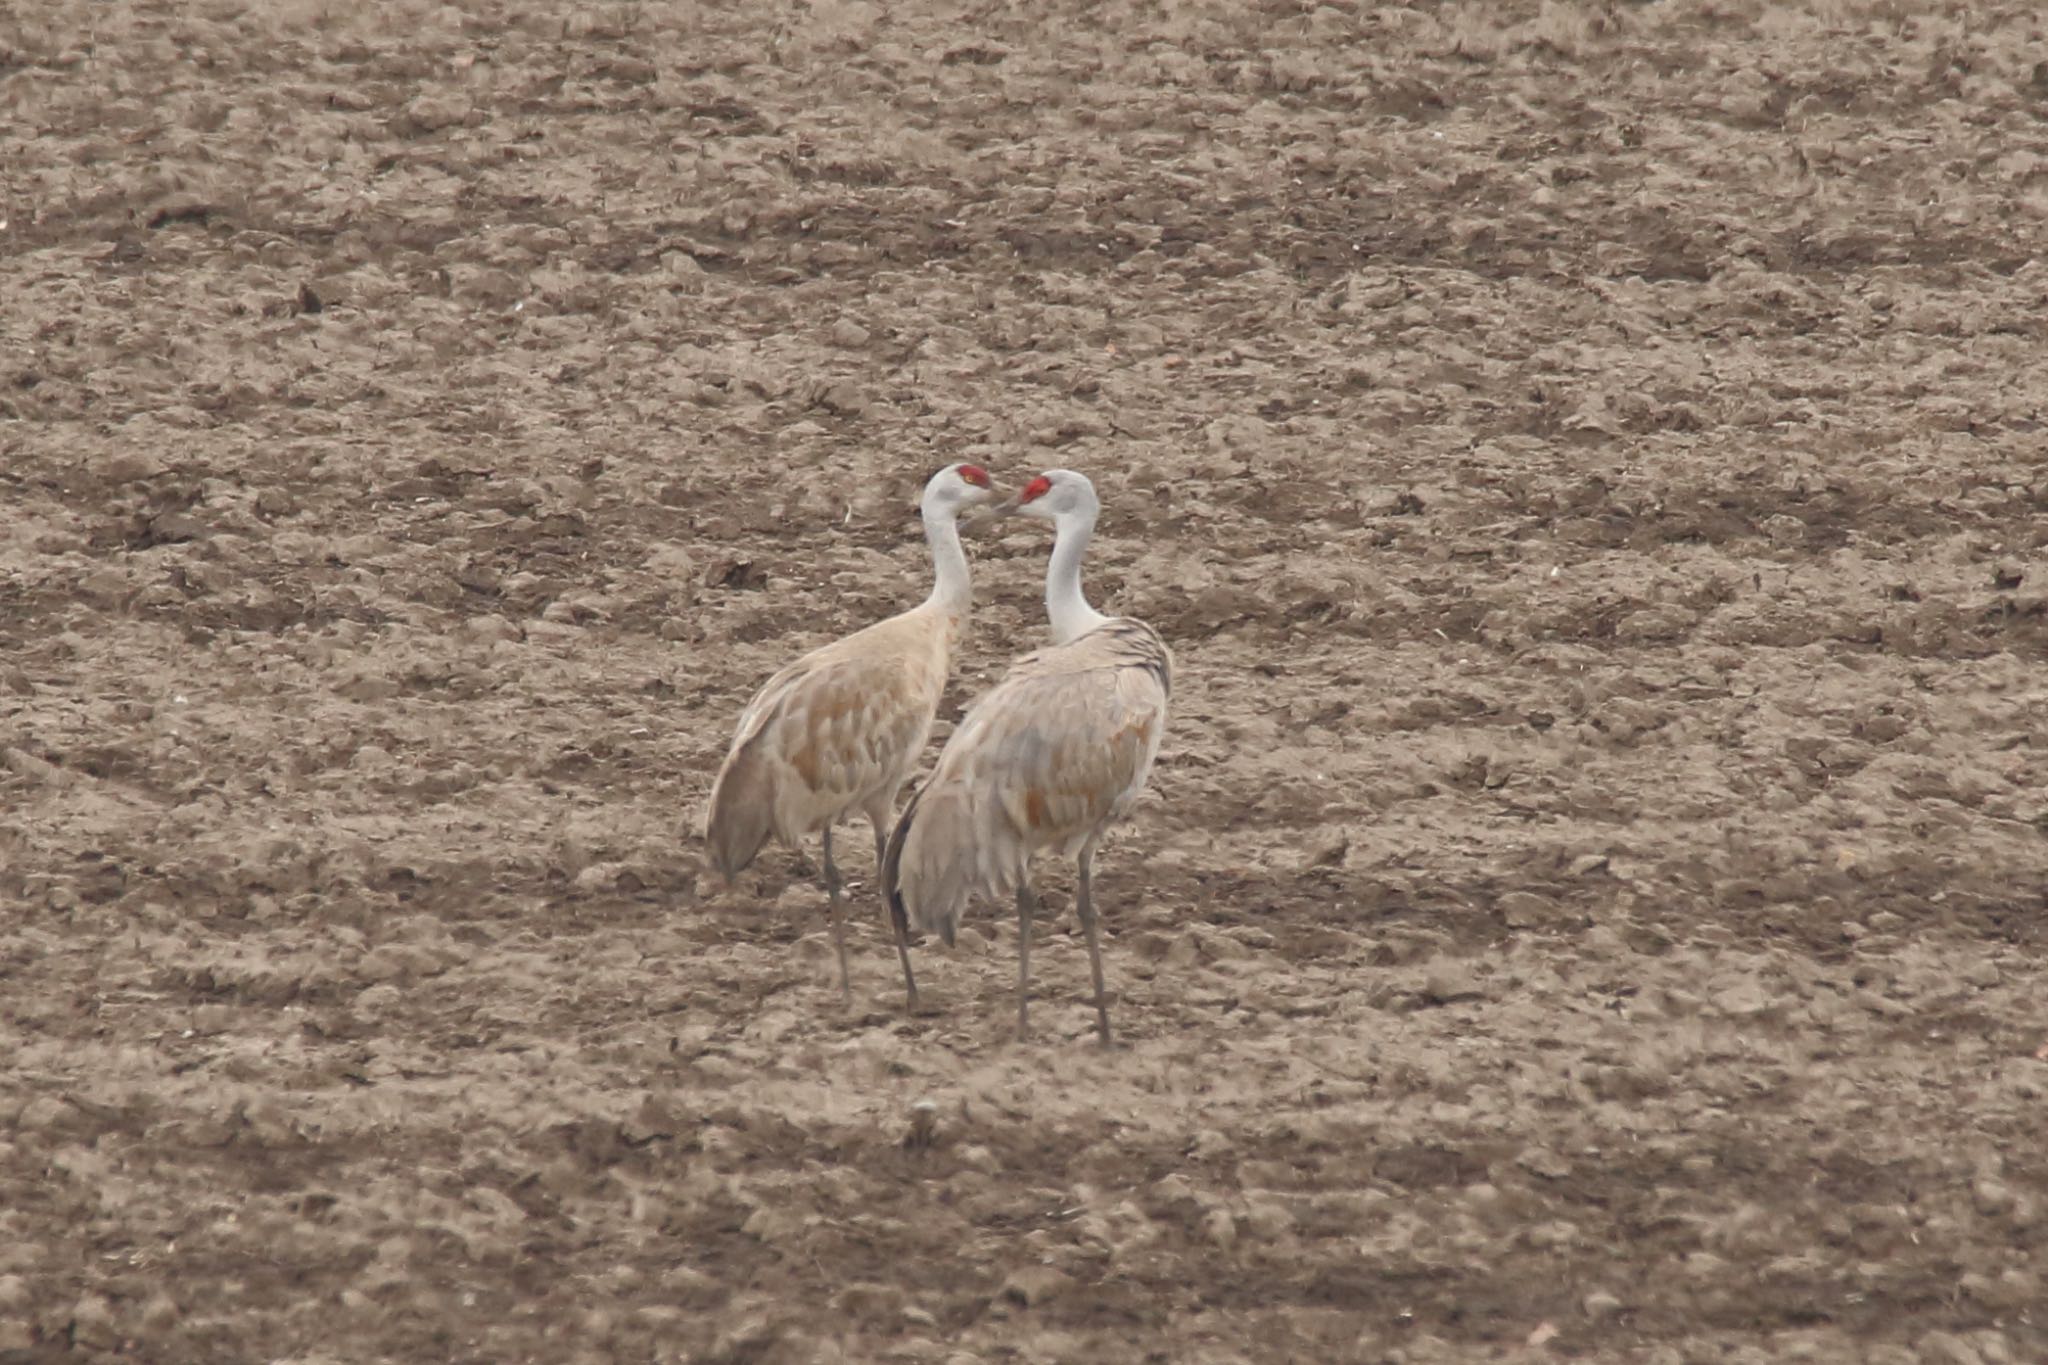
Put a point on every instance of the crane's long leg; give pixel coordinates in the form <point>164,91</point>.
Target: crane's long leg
<point>895,921</point>
<point>838,925</point>
<point>1025,905</point>
<point>1084,903</point>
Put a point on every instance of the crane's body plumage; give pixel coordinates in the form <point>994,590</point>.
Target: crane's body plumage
<point>838,731</point>
<point>842,728</point>
<point>1046,760</point>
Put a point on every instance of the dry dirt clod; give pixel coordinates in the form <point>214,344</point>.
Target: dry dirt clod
<point>92,1323</point>
<point>1034,1286</point>
<point>1524,910</point>
<point>1946,1348</point>
<point>1992,1197</point>
<point>1742,998</point>
<point>1544,1162</point>
<point>745,1340</point>
<point>160,1314</point>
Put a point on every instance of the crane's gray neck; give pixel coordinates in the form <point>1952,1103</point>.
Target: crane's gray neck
<point>952,586</point>
<point>1065,606</point>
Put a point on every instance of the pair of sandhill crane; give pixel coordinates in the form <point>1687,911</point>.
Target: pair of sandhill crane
<point>1049,758</point>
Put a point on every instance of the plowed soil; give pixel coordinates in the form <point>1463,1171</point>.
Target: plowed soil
<point>1587,458</point>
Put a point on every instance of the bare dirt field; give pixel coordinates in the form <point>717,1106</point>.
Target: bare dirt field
<point>1587,459</point>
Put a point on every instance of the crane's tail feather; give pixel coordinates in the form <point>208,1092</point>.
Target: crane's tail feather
<point>740,815</point>
<point>892,866</point>
<point>929,871</point>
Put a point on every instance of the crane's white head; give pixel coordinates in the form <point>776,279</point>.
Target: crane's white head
<point>955,489</point>
<point>1055,495</point>
<point>1067,500</point>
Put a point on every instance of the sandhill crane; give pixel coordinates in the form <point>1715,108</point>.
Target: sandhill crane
<point>1047,759</point>
<point>841,729</point>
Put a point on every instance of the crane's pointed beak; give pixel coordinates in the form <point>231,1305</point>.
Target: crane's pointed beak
<point>982,516</point>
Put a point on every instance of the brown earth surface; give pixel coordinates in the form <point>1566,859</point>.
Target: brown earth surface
<point>1587,459</point>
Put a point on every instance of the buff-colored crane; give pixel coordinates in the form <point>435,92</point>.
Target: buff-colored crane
<point>841,729</point>
<point>1049,758</point>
